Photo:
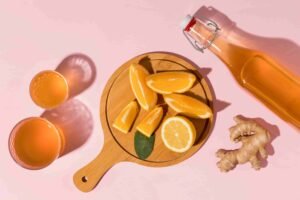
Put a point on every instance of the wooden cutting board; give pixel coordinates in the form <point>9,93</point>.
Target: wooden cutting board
<point>118,146</point>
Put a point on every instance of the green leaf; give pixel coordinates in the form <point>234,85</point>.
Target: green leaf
<point>143,145</point>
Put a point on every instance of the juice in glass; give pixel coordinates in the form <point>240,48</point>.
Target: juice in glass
<point>35,142</point>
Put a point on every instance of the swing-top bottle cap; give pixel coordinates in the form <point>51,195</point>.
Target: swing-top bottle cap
<point>185,22</point>
<point>208,26</point>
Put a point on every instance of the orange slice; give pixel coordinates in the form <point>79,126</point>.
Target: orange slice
<point>178,134</point>
<point>126,117</point>
<point>145,96</point>
<point>188,106</point>
<point>170,82</point>
<point>150,121</point>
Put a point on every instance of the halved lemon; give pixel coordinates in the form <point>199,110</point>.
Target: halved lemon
<point>125,119</point>
<point>178,134</point>
<point>170,82</point>
<point>145,96</point>
<point>188,106</point>
<point>150,121</point>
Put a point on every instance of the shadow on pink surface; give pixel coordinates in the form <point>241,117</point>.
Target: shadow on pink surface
<point>75,120</point>
<point>79,71</point>
<point>282,50</point>
<point>73,117</point>
<point>274,132</point>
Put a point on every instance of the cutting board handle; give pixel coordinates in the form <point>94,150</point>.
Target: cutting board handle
<point>88,177</point>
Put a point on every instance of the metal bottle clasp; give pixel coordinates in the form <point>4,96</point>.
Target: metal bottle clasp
<point>209,24</point>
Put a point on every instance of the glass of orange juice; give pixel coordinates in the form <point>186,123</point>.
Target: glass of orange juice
<point>34,143</point>
<point>49,89</point>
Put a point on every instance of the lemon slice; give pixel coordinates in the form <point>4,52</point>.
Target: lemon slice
<point>178,134</point>
<point>170,82</point>
<point>188,106</point>
<point>125,119</point>
<point>145,96</point>
<point>150,121</point>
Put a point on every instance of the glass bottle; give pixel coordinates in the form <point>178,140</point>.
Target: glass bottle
<point>273,84</point>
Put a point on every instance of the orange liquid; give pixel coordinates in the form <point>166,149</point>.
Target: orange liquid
<point>49,89</point>
<point>269,81</point>
<point>35,143</point>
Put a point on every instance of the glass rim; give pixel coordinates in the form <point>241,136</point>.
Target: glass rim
<point>13,153</point>
<point>61,76</point>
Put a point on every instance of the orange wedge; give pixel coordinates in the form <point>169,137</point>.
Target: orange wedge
<point>125,119</point>
<point>188,106</point>
<point>145,96</point>
<point>150,121</point>
<point>178,134</point>
<point>170,82</point>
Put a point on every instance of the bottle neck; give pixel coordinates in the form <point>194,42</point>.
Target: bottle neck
<point>240,37</point>
<point>218,43</point>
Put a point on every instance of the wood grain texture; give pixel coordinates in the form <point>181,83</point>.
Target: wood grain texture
<point>119,146</point>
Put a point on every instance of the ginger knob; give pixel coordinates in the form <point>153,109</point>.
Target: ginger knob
<point>253,138</point>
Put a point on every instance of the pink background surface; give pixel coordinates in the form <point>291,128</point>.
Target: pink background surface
<point>37,34</point>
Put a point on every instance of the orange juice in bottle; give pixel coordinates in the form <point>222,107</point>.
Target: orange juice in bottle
<point>272,83</point>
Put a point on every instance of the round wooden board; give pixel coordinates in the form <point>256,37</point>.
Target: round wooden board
<point>119,146</point>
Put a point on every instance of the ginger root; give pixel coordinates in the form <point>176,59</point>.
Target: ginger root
<point>254,139</point>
